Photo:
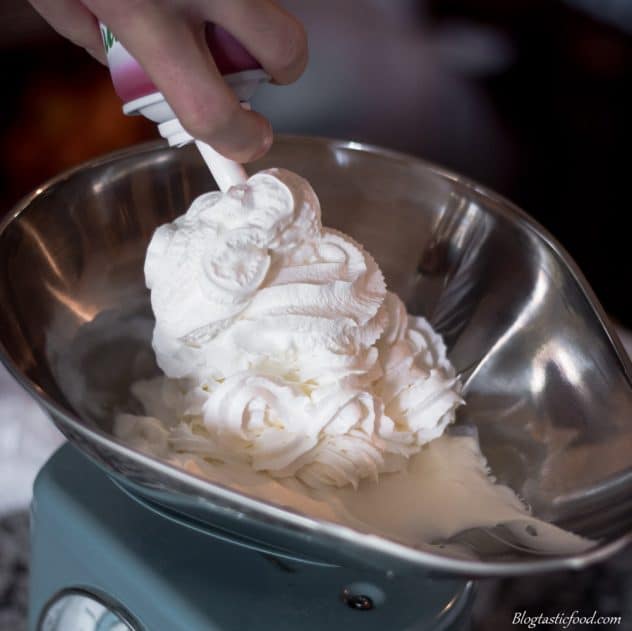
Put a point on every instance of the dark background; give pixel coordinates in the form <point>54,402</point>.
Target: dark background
<point>530,97</point>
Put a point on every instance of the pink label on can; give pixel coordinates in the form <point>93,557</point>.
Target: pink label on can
<point>131,82</point>
<point>129,79</point>
<point>229,55</point>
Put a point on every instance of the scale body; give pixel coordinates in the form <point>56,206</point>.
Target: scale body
<point>102,561</point>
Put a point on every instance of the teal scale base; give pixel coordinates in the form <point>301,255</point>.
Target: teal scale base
<point>89,535</point>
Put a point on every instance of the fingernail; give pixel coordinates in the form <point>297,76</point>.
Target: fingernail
<point>268,139</point>
<point>266,143</point>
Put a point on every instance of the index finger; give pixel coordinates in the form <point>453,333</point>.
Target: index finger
<point>172,50</point>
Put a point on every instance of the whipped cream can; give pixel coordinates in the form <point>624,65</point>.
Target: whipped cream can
<point>140,96</point>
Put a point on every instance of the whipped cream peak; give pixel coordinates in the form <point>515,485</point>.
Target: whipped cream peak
<point>292,357</point>
<point>204,267</point>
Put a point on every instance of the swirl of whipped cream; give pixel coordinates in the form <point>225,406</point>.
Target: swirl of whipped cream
<point>418,386</point>
<point>250,280</point>
<point>292,356</point>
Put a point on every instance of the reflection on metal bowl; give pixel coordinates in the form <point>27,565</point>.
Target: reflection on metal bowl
<point>546,381</point>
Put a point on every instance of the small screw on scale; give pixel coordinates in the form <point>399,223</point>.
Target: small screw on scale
<point>359,602</point>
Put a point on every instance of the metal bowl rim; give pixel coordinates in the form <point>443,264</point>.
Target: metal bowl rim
<point>435,562</point>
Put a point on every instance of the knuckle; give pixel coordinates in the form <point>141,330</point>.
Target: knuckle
<point>134,5</point>
<point>117,10</point>
<point>204,120</point>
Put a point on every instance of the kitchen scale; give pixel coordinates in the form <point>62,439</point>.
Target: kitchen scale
<point>103,560</point>
<point>122,540</point>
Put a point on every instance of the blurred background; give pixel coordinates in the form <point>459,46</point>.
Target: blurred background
<point>529,97</point>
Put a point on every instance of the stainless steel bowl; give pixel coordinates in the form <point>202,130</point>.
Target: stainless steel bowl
<point>547,382</point>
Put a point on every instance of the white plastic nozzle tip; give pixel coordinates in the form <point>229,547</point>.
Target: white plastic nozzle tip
<point>226,172</point>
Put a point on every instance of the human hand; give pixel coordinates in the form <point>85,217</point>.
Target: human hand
<point>167,38</point>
